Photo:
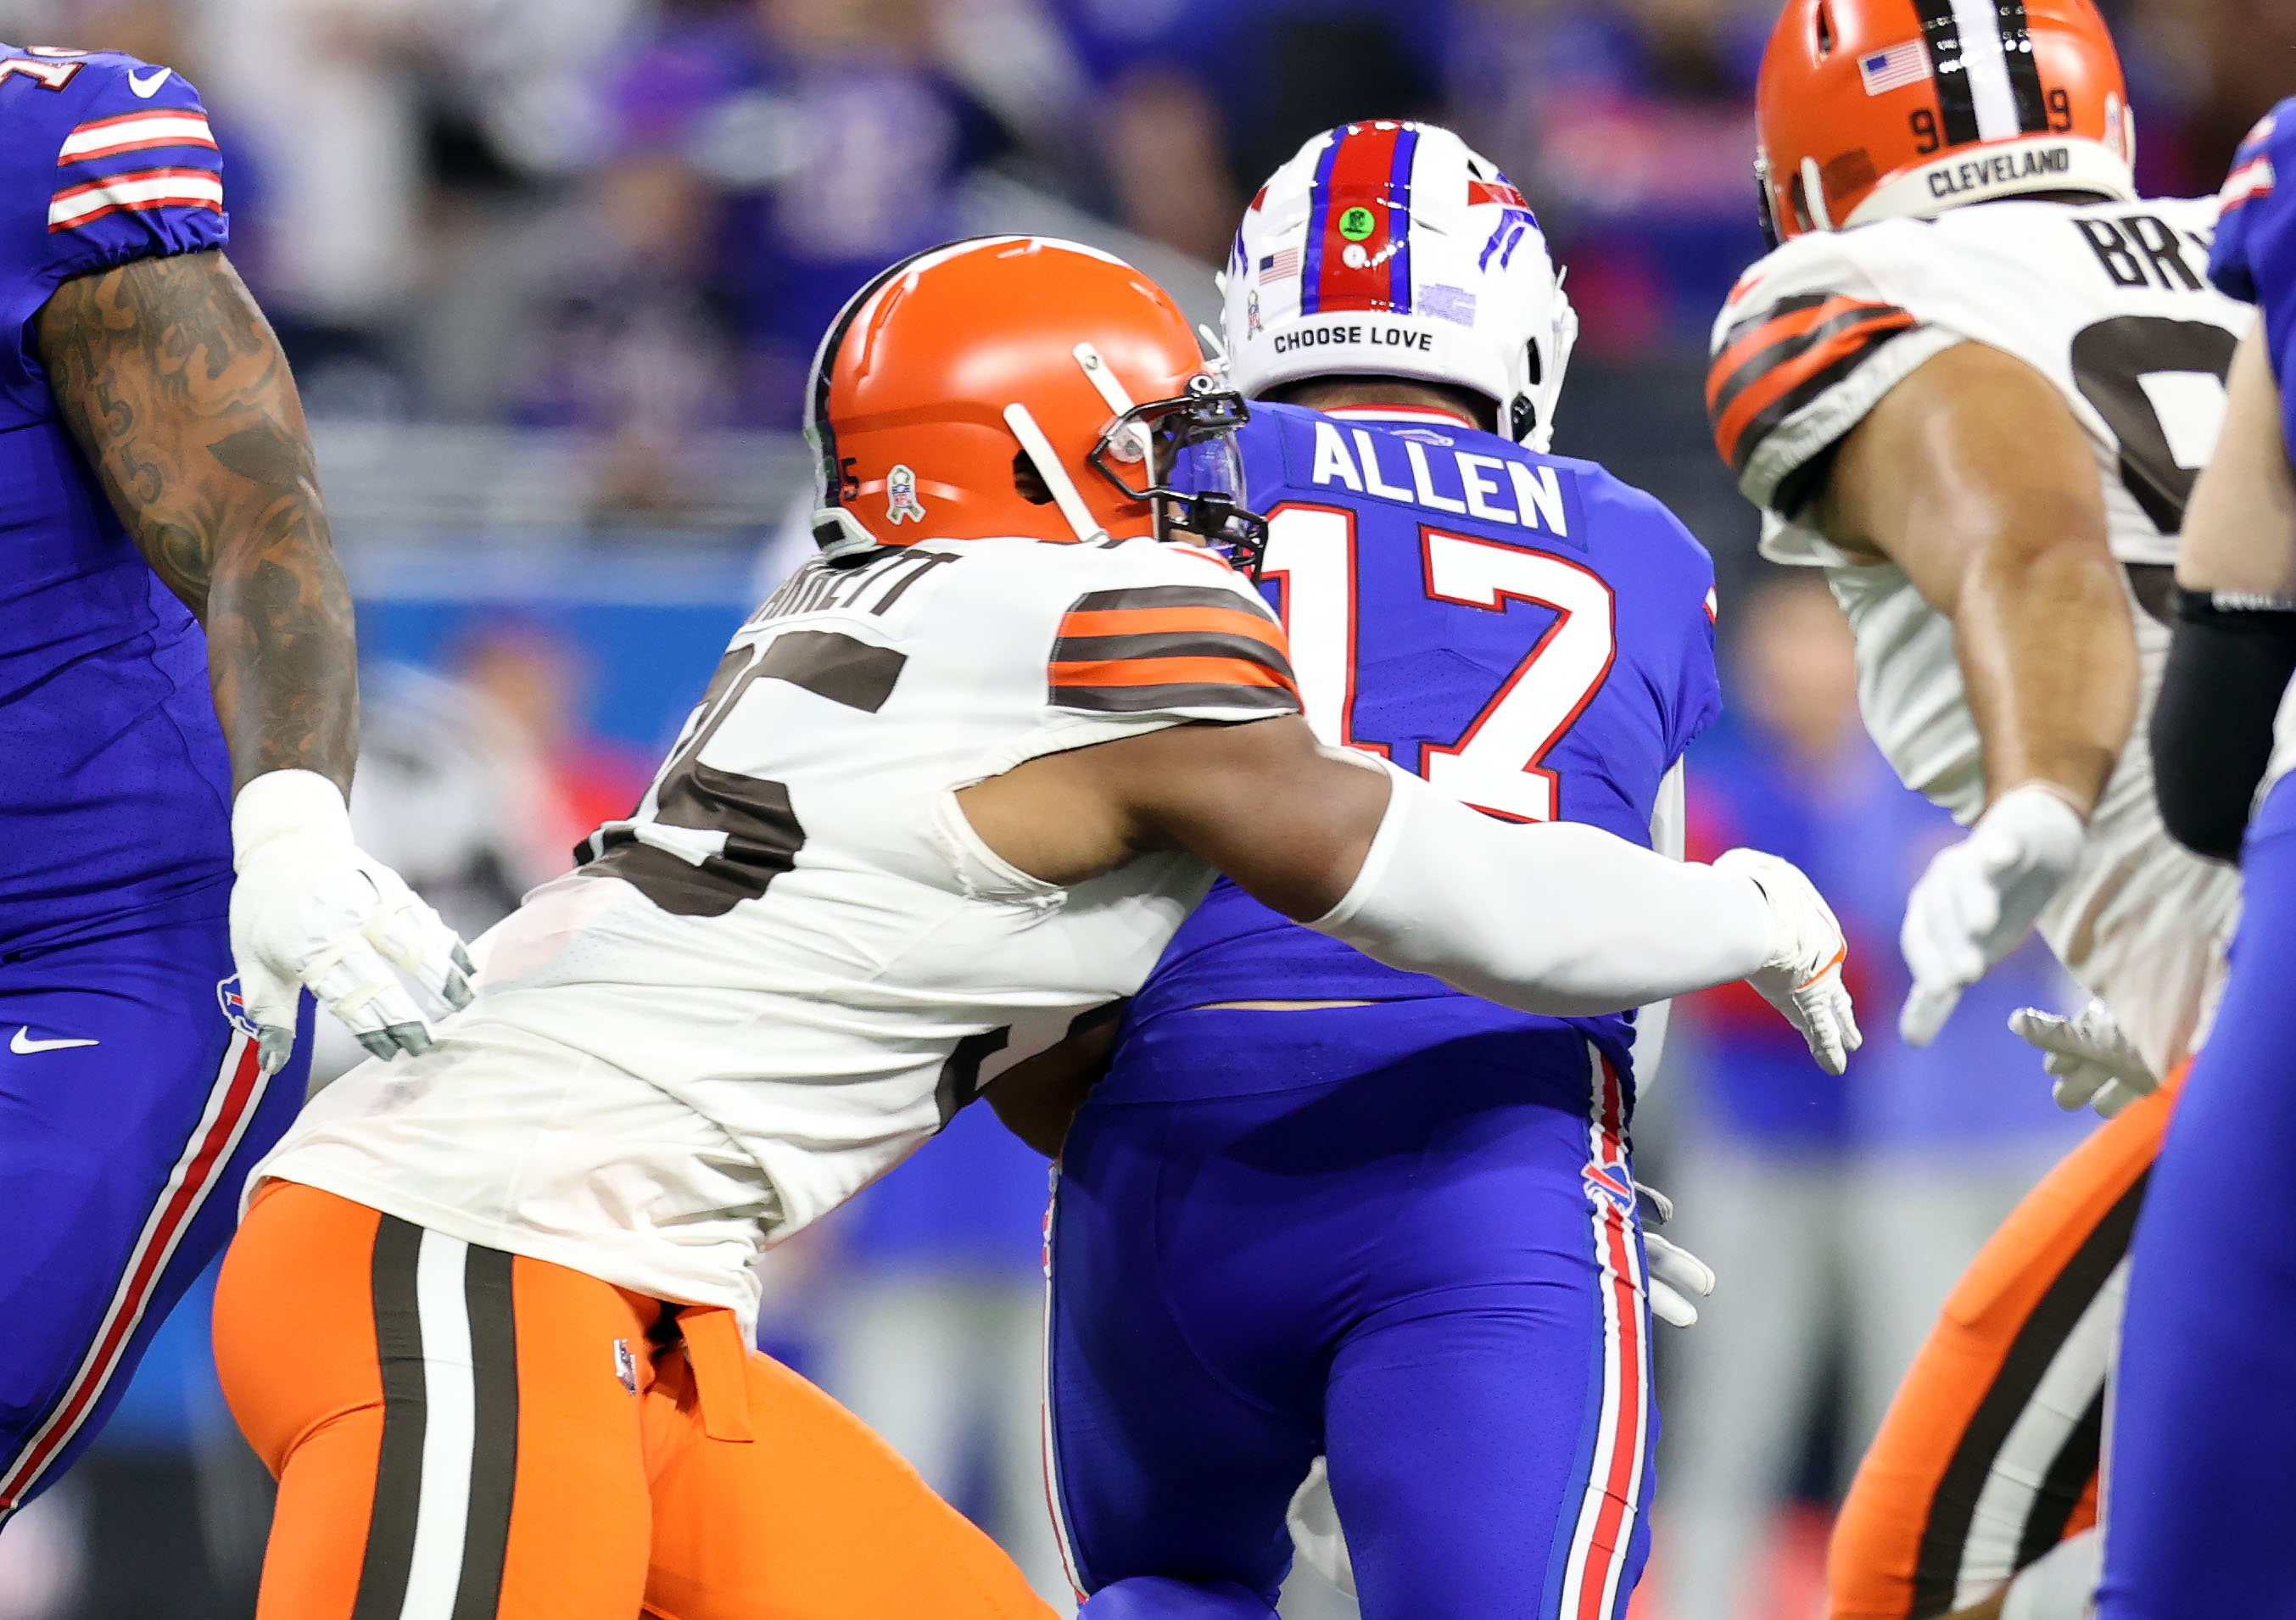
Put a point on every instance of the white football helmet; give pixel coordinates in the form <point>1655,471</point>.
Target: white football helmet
<point>1392,249</point>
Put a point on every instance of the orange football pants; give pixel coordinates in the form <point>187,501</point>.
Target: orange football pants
<point>1988,1455</point>
<point>461,1434</point>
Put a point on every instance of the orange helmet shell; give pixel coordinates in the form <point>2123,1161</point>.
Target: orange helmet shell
<point>907,415</point>
<point>1892,108</point>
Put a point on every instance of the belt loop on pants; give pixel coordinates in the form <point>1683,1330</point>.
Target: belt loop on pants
<point>719,1360</point>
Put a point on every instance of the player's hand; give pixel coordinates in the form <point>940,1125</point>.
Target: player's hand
<point>1676,1274</point>
<point>1678,1279</point>
<point>1980,898</point>
<point>2093,1063</point>
<point>311,910</point>
<point>1802,979</point>
<point>1315,1534</point>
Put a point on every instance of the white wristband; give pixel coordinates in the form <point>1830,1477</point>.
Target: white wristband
<point>278,803</point>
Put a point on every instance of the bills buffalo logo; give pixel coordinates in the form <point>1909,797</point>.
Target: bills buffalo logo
<point>235,1006</point>
<point>1612,1181</point>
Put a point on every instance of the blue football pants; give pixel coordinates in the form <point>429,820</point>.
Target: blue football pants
<point>2200,1504</point>
<point>1425,1263</point>
<point>131,1110</point>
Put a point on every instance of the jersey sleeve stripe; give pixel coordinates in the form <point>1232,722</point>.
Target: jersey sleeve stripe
<point>1223,620</point>
<point>1171,644</point>
<point>2252,182</point>
<point>1178,696</point>
<point>1168,596</point>
<point>1779,378</point>
<point>1168,670</point>
<point>143,191</point>
<point>135,132</point>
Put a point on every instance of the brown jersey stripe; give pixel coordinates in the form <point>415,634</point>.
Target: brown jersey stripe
<point>1765,344</point>
<point>1780,381</point>
<point>1228,620</point>
<point>1185,695</point>
<point>1164,672</point>
<point>1198,644</point>
<point>1757,333</point>
<point>1162,596</point>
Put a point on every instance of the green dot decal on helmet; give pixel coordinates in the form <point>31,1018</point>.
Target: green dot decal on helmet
<point>1389,248</point>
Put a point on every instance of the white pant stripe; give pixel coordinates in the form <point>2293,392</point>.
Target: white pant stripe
<point>450,1404</point>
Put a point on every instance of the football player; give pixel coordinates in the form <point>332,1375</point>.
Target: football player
<point>949,792</point>
<point>1974,383</point>
<point>2203,1433</point>
<point>1320,1205</point>
<point>179,696</point>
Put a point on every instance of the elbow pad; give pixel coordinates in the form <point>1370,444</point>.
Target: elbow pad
<point>2228,667</point>
<point>1553,918</point>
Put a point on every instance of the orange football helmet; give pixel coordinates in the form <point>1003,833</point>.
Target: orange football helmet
<point>958,368</point>
<point>1891,108</point>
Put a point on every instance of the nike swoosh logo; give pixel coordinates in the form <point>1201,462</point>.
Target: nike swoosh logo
<point>24,1046</point>
<point>148,87</point>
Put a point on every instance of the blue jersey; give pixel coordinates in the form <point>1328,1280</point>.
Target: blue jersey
<point>1529,634</point>
<point>115,790</point>
<point>2254,260</point>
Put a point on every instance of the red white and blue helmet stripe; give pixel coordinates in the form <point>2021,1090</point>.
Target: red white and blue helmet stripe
<point>1367,167</point>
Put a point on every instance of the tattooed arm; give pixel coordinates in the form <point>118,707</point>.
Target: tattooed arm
<point>173,385</point>
<point>172,381</point>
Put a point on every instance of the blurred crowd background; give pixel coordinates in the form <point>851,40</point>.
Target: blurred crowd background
<point>551,272</point>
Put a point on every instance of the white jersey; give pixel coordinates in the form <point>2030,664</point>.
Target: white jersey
<point>797,961</point>
<point>2110,301</point>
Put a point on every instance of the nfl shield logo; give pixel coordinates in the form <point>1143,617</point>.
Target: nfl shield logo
<point>235,1006</point>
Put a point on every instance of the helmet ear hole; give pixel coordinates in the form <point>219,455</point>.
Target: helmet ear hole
<point>1534,367</point>
<point>1825,34</point>
<point>1799,200</point>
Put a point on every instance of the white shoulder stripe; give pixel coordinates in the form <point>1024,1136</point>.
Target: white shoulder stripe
<point>139,192</point>
<point>136,132</point>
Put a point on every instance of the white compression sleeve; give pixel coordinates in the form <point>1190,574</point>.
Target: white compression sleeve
<point>1558,918</point>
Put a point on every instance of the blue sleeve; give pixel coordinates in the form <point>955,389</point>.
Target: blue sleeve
<point>2252,214</point>
<point>1676,573</point>
<point>2254,258</point>
<point>106,159</point>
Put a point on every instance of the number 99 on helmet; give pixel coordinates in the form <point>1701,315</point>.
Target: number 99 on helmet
<point>1902,109</point>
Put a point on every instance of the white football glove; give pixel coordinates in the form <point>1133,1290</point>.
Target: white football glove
<point>1802,979</point>
<point>1979,899</point>
<point>1315,1534</point>
<point>2094,1064</point>
<point>311,909</point>
<point>1675,1275</point>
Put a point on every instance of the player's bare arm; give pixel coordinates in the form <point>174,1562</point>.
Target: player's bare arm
<point>1974,477</point>
<point>2235,636</point>
<point>177,390</point>
<point>175,387</point>
<point>2239,530</point>
<point>1533,917</point>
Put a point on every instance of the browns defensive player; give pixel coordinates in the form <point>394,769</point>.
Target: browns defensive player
<point>1984,421</point>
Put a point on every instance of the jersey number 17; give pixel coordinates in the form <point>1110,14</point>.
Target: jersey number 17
<point>1498,764</point>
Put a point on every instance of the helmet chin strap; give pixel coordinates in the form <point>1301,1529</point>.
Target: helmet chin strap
<point>1056,478</point>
